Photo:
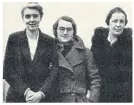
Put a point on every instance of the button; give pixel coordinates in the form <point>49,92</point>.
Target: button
<point>73,94</point>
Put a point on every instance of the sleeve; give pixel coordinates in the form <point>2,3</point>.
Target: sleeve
<point>52,78</point>
<point>97,47</point>
<point>9,72</point>
<point>94,80</point>
<point>48,84</point>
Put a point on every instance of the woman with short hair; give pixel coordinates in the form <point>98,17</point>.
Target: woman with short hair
<point>112,49</point>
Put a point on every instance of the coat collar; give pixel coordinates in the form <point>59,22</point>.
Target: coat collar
<point>73,57</point>
<point>41,46</point>
<point>78,43</point>
<point>101,34</point>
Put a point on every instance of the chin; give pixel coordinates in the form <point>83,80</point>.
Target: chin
<point>33,29</point>
<point>118,33</point>
<point>64,41</point>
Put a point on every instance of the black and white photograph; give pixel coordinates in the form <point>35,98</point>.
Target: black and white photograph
<point>67,52</point>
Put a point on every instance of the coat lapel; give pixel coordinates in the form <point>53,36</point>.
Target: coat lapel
<point>63,62</point>
<point>73,57</point>
<point>41,47</point>
<point>24,47</point>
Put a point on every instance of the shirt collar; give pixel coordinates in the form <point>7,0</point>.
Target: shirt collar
<point>37,35</point>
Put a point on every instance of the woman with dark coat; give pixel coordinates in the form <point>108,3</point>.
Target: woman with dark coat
<point>77,77</point>
<point>112,49</point>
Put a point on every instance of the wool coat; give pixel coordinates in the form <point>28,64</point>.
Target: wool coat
<point>115,65</point>
<point>77,73</point>
<point>20,71</point>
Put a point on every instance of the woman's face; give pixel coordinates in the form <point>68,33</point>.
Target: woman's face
<point>32,19</point>
<point>116,23</point>
<point>65,31</point>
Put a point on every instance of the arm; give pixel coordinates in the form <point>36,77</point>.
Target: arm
<point>93,78</point>
<point>9,71</point>
<point>51,79</point>
<point>36,97</point>
<point>47,88</point>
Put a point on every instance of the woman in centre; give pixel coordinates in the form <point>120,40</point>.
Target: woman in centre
<point>78,78</point>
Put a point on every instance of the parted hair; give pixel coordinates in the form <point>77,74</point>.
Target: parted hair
<point>115,10</point>
<point>33,5</point>
<point>66,18</point>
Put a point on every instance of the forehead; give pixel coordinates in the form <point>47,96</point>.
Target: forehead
<point>118,16</point>
<point>64,23</point>
<point>31,11</point>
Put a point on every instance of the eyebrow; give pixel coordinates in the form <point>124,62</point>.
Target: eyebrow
<point>64,27</point>
<point>31,14</point>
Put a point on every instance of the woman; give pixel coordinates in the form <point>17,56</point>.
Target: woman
<point>112,49</point>
<point>78,78</point>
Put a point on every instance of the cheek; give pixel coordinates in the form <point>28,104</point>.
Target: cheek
<point>111,26</point>
<point>58,35</point>
<point>123,25</point>
<point>71,36</point>
<point>25,21</point>
<point>38,20</point>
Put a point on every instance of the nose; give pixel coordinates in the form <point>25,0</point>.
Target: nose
<point>65,32</point>
<point>31,18</point>
<point>118,24</point>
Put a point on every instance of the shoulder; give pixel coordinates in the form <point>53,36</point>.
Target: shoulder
<point>127,33</point>
<point>126,37</point>
<point>15,35</point>
<point>100,33</point>
<point>100,30</point>
<point>47,38</point>
<point>100,36</point>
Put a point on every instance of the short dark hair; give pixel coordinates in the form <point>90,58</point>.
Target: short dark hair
<point>66,18</point>
<point>115,10</point>
<point>33,5</point>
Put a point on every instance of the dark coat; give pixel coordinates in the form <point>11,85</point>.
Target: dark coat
<point>115,65</point>
<point>77,74</point>
<point>20,71</point>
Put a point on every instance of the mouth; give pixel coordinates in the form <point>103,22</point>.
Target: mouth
<point>65,36</point>
<point>32,24</point>
<point>118,30</point>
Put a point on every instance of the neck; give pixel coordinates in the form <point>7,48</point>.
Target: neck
<point>112,38</point>
<point>65,44</point>
<point>32,34</point>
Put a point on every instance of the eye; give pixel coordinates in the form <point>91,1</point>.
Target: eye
<point>69,29</point>
<point>62,28</point>
<point>115,21</point>
<point>27,16</point>
<point>122,21</point>
<point>35,16</point>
